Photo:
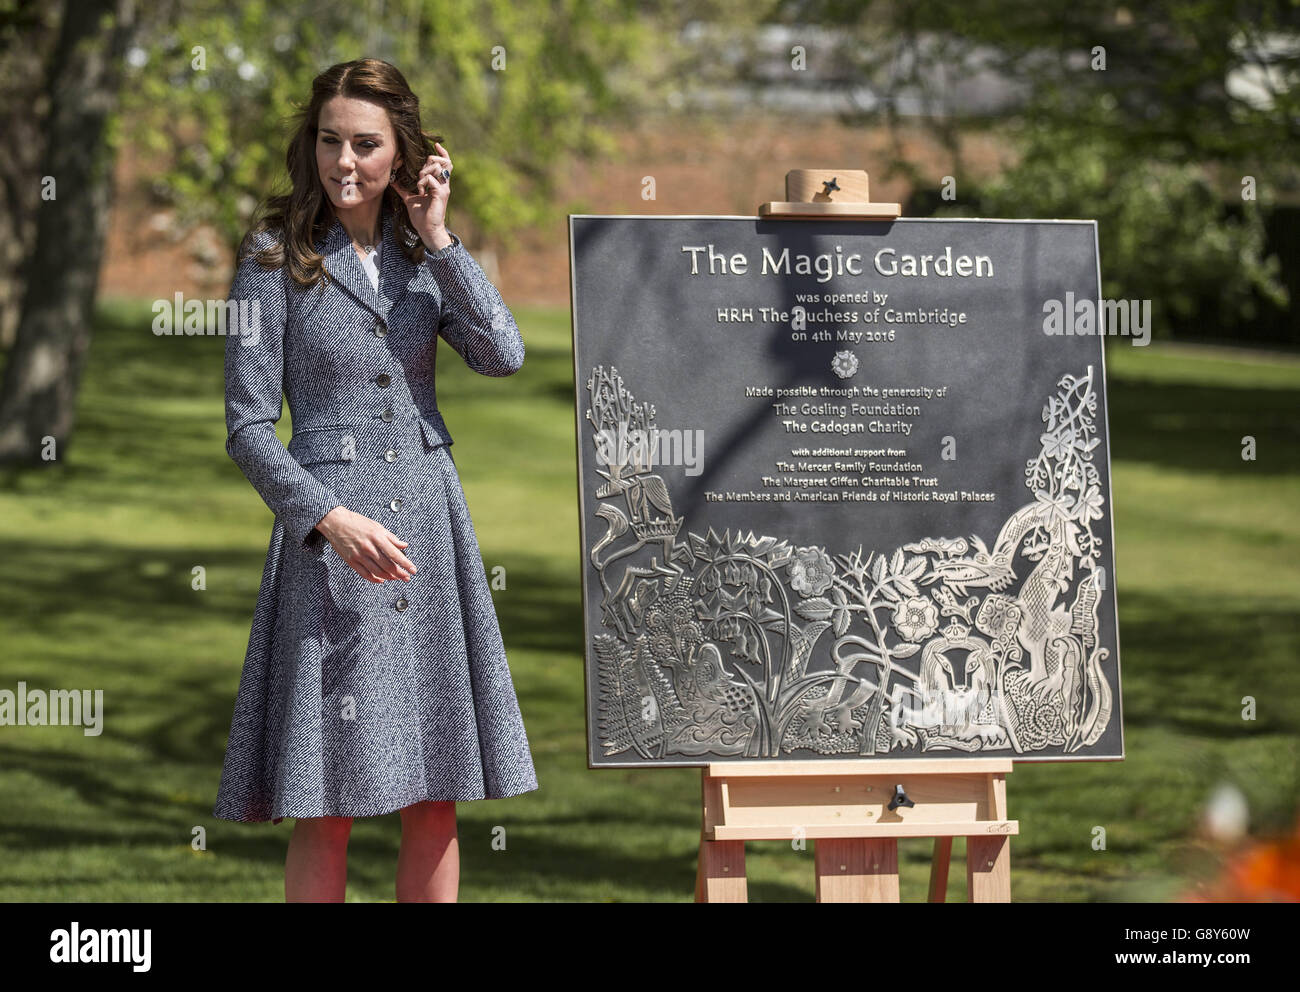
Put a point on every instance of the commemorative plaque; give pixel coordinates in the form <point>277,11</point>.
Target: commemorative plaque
<point>844,490</point>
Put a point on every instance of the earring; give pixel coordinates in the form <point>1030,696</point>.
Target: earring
<point>392,175</point>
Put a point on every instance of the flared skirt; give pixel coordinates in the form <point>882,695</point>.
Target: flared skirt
<point>359,698</point>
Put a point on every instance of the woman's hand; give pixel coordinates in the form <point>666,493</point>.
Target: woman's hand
<point>427,205</point>
<point>370,549</point>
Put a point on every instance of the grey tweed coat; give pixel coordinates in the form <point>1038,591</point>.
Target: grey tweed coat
<point>359,698</point>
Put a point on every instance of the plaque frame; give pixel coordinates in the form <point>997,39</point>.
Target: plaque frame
<point>1110,591</point>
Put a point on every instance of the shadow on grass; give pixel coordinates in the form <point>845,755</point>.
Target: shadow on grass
<point>537,859</point>
<point>1199,429</point>
<point>541,608</point>
<point>1186,664</point>
<point>116,585</point>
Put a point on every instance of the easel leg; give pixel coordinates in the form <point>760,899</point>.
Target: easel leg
<point>720,874</point>
<point>856,870</point>
<point>988,869</point>
<point>939,869</point>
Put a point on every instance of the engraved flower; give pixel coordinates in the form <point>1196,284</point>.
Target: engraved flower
<point>810,571</point>
<point>916,618</point>
<point>1058,505</point>
<point>1089,505</point>
<point>1058,445</point>
<point>844,364</point>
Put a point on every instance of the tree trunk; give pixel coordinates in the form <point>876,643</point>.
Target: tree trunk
<point>61,275</point>
<point>27,36</point>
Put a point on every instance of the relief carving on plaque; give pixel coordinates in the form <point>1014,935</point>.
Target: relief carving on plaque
<point>743,645</point>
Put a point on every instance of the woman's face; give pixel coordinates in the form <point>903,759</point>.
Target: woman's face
<point>355,151</point>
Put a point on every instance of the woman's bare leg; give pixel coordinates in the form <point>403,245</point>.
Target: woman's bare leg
<point>428,862</point>
<point>316,867</point>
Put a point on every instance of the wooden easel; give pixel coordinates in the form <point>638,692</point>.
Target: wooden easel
<point>843,806</point>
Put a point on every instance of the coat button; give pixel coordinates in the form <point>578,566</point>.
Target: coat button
<point>396,504</point>
<point>400,604</point>
<point>387,416</point>
<point>380,330</point>
<point>390,455</point>
<point>383,379</point>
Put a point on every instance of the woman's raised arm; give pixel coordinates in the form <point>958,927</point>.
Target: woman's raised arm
<point>475,319</point>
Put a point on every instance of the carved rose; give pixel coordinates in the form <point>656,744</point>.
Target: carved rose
<point>916,619</point>
<point>844,364</point>
<point>810,571</point>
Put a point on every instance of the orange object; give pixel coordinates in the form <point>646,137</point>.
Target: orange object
<point>1268,871</point>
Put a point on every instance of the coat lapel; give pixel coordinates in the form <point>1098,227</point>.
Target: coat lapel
<point>395,270</point>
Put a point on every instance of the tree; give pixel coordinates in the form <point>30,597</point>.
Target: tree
<point>62,272</point>
<point>515,86</point>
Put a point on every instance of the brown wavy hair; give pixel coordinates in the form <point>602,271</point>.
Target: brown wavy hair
<point>303,216</point>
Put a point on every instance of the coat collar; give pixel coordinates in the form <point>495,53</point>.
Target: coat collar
<point>341,262</point>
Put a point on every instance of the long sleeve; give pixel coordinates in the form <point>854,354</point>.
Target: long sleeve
<point>255,397</point>
<point>475,319</point>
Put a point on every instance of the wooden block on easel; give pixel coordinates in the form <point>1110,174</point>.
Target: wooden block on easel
<point>829,194</point>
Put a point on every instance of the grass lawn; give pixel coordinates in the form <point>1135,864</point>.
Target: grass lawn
<point>100,549</point>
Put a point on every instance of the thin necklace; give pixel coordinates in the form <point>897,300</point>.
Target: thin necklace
<point>367,248</point>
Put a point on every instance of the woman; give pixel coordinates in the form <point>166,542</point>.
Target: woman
<point>375,678</point>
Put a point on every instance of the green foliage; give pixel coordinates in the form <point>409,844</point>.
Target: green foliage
<point>1163,230</point>
<point>214,95</point>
